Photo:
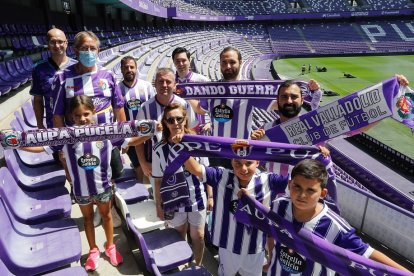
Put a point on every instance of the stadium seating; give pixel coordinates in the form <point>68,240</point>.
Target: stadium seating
<point>34,178</point>
<point>33,207</point>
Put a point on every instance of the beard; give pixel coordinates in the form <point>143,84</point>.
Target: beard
<point>231,74</point>
<point>289,110</point>
<point>129,77</point>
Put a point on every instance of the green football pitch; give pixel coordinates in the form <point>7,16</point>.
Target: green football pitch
<point>367,70</point>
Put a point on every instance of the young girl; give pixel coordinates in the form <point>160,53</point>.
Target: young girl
<point>90,171</point>
<point>174,121</point>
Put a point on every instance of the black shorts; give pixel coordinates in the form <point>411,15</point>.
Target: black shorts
<point>116,163</point>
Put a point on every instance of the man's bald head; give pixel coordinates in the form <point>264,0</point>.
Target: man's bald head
<point>55,32</point>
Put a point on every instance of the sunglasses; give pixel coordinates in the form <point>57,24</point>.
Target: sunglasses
<point>173,120</point>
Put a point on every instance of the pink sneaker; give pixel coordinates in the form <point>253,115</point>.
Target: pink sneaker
<point>114,256</point>
<point>91,263</point>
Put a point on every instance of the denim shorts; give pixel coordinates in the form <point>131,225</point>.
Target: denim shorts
<point>104,197</point>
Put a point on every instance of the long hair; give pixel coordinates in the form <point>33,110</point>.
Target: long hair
<point>79,100</point>
<point>165,131</point>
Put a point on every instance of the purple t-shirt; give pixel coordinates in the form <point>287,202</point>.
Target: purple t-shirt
<point>99,84</point>
<point>43,74</point>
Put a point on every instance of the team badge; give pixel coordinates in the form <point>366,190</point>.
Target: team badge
<point>99,144</point>
<point>10,138</point>
<point>103,84</point>
<point>405,106</point>
<point>145,128</point>
<point>241,148</point>
<point>222,113</point>
<point>174,194</point>
<point>88,162</point>
<point>179,91</point>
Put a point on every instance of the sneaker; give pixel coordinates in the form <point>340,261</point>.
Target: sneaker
<point>91,263</point>
<point>96,218</point>
<point>116,219</point>
<point>114,256</point>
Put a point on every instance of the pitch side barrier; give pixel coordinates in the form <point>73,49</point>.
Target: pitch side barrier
<point>385,222</point>
<point>393,158</point>
<point>374,175</point>
<point>360,53</point>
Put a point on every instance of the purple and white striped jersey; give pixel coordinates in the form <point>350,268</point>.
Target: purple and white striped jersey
<point>191,77</point>
<point>194,77</point>
<point>43,75</point>
<point>99,84</point>
<point>196,188</point>
<point>226,231</point>
<point>89,165</point>
<point>153,110</point>
<point>230,117</point>
<point>327,225</point>
<point>135,96</point>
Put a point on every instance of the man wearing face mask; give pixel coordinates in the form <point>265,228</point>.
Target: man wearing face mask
<point>88,78</point>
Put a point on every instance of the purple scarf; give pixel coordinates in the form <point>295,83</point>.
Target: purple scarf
<point>211,146</point>
<point>72,135</point>
<point>347,115</point>
<point>253,213</point>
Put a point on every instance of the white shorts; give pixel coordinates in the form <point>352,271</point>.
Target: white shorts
<point>197,218</point>
<point>246,265</point>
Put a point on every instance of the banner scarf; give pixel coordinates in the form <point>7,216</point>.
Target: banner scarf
<point>74,134</point>
<point>211,146</point>
<point>251,212</point>
<point>340,117</point>
<point>349,114</point>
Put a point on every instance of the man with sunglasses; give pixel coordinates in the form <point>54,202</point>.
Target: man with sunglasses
<point>152,110</point>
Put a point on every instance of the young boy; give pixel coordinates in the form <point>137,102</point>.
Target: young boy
<point>305,208</point>
<point>241,248</point>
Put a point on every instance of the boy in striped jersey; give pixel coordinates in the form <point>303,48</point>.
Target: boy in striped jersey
<point>305,209</point>
<point>241,248</point>
<point>135,92</point>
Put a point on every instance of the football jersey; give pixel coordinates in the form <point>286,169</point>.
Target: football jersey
<point>89,165</point>
<point>196,188</point>
<point>226,231</point>
<point>100,85</point>
<point>43,74</point>
<point>153,110</point>
<point>135,97</point>
<point>327,225</point>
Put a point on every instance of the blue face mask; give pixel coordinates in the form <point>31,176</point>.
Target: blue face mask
<point>87,58</point>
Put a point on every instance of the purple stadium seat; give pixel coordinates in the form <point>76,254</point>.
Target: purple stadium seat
<point>4,271</point>
<point>37,178</point>
<point>191,271</point>
<point>132,191</point>
<point>27,63</point>
<point>33,207</point>
<point>21,121</point>
<point>20,68</point>
<point>4,89</point>
<point>165,249</point>
<point>11,68</point>
<point>35,160</point>
<point>33,249</point>
<point>7,78</point>
<point>29,116</point>
<point>128,174</point>
<point>70,271</point>
<point>16,44</point>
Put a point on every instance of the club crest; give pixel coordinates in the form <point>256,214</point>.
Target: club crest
<point>241,148</point>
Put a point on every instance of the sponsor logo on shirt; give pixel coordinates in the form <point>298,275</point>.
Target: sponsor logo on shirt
<point>222,113</point>
<point>291,261</point>
<point>88,162</point>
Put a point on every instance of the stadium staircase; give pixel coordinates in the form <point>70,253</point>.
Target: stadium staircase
<point>299,31</point>
<point>363,36</point>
